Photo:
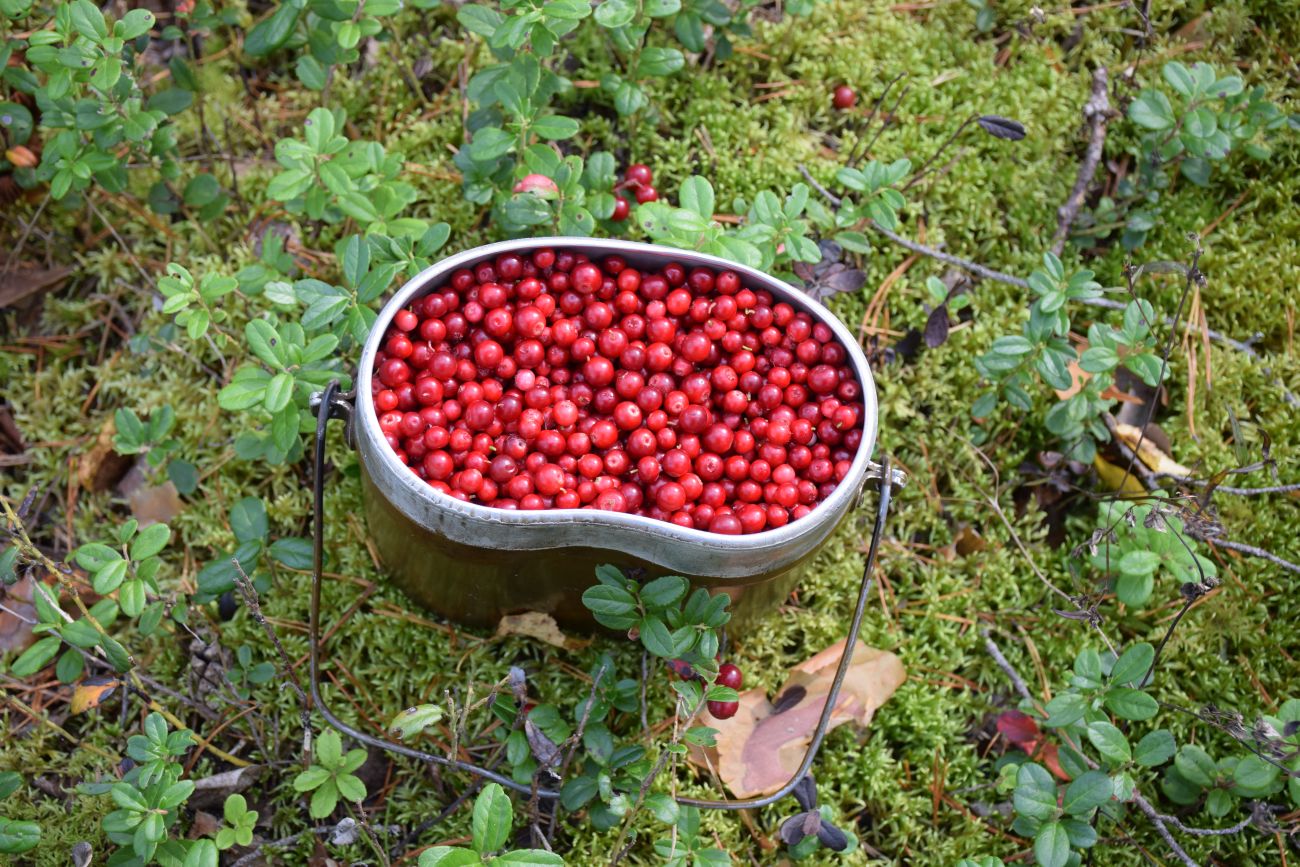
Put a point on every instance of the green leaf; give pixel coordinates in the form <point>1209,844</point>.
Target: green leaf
<point>1180,79</point>
<point>151,540</point>
<point>1195,765</point>
<point>1133,663</point>
<point>1035,794</point>
<point>489,143</point>
<point>272,32</point>
<point>529,858</point>
<point>109,578</point>
<point>615,13</point>
<point>133,24</point>
<point>36,657</point>
<point>1152,110</point>
<point>17,837</point>
<point>664,591</point>
<point>611,606</point>
<point>492,818</point>
<point>697,195</point>
<point>1139,562</point>
<point>1155,748</point>
<point>553,127</point>
<point>264,340</point>
<point>657,639</point>
<point>293,552</point>
<point>1131,704</point>
<point>1065,709</point>
<point>311,778</point>
<point>1087,792</point>
<point>1052,845</point>
<point>414,720</point>
<point>248,520</point>
<point>481,20</point>
<point>659,62</point>
<point>88,20</point>
<point>279,391</point>
<point>10,782</point>
<point>351,787</point>
<point>1254,778</point>
<point>446,856</point>
<point>174,100</point>
<point>1109,741</point>
<point>311,72</point>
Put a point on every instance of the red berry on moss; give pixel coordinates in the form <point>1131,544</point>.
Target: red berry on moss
<point>844,97</point>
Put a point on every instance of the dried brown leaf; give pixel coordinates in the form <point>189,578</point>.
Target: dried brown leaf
<point>535,624</point>
<point>25,281</point>
<point>759,749</point>
<point>100,468</point>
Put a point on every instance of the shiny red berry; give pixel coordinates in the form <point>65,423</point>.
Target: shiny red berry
<point>729,675</point>
<point>723,709</point>
<point>844,97</point>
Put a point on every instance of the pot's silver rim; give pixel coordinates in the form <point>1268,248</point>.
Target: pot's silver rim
<point>822,518</point>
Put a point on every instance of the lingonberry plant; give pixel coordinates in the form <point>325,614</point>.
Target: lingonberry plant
<point>16,837</point>
<point>1209,118</point>
<point>1044,353</point>
<point>330,777</point>
<point>492,822</point>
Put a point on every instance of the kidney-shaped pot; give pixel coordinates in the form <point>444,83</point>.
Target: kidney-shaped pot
<point>474,564</point>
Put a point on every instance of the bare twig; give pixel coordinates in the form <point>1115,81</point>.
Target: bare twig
<point>249,592</point>
<point>1097,112</point>
<point>1003,663</point>
<point>807,176</point>
<point>1208,832</point>
<point>1246,549</point>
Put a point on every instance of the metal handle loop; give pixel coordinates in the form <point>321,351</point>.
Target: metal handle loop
<point>332,404</point>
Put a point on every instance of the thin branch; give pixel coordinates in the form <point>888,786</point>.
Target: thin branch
<point>1097,112</point>
<point>1156,820</point>
<point>1003,663</point>
<point>1208,832</point>
<point>965,264</point>
<point>830,197</point>
<point>249,592</point>
<point>1247,549</point>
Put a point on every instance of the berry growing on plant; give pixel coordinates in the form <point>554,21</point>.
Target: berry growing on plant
<point>730,675</point>
<point>723,709</point>
<point>550,381</point>
<point>537,184</point>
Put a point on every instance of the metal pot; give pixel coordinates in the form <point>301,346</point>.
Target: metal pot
<point>474,564</point>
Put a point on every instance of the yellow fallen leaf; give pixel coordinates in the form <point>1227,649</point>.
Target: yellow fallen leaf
<point>91,691</point>
<point>1112,477</point>
<point>1148,452</point>
<point>759,748</point>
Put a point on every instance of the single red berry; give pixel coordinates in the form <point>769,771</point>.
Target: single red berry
<point>646,193</point>
<point>729,675</point>
<point>844,97</point>
<point>621,209</point>
<point>723,709</point>
<point>639,174</point>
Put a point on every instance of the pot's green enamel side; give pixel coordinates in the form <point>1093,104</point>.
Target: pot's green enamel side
<point>479,585</point>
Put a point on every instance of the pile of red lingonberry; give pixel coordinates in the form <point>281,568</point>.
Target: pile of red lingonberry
<point>548,381</point>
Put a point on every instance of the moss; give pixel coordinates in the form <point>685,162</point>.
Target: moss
<point>995,204</point>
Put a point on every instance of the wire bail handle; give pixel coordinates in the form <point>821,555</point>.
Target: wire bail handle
<point>333,403</point>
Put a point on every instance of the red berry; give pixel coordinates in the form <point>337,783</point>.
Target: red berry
<point>723,709</point>
<point>639,174</point>
<point>553,381</point>
<point>645,194</point>
<point>621,209</point>
<point>844,97</point>
<point>729,675</point>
